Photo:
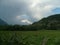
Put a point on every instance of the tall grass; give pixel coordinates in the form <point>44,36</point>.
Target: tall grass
<point>30,37</point>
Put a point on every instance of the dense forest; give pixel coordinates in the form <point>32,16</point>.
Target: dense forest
<point>48,23</point>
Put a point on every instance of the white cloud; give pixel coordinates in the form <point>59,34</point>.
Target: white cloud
<point>42,8</point>
<point>26,21</point>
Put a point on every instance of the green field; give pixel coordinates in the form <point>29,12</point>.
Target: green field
<point>43,37</point>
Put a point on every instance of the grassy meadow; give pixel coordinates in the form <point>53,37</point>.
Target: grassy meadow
<point>43,37</point>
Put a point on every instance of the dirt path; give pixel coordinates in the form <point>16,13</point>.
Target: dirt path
<point>44,41</point>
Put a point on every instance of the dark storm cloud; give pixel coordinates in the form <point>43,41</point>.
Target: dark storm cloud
<point>9,10</point>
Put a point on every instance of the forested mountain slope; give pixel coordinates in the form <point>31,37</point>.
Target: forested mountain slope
<point>51,22</point>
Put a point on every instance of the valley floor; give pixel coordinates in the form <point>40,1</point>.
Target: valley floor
<point>43,37</point>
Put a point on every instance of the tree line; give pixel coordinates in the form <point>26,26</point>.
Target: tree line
<point>29,27</point>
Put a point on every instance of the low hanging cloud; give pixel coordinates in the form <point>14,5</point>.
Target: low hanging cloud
<point>26,11</point>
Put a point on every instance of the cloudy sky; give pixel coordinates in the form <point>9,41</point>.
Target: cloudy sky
<point>27,11</point>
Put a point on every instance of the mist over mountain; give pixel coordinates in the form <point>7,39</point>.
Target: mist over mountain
<point>2,22</point>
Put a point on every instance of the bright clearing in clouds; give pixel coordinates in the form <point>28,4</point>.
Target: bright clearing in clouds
<point>27,11</point>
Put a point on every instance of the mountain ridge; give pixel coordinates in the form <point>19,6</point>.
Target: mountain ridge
<point>2,22</point>
<point>50,22</point>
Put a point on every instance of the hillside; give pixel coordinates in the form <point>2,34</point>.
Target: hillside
<point>51,22</point>
<point>2,22</point>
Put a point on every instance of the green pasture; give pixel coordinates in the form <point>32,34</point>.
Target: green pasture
<point>43,37</point>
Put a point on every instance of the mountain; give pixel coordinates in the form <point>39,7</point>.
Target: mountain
<point>2,22</point>
<point>51,22</point>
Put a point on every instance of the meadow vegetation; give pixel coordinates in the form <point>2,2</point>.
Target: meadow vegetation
<point>43,37</point>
